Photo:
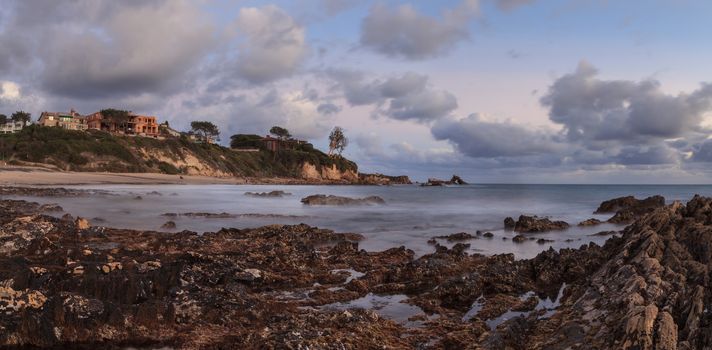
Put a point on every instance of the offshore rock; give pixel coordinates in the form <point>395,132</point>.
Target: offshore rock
<point>628,208</point>
<point>320,199</point>
<point>537,224</point>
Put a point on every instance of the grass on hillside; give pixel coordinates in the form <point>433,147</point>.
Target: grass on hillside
<point>95,150</point>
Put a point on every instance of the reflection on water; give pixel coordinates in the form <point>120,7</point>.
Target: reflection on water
<point>411,216</point>
<point>392,307</point>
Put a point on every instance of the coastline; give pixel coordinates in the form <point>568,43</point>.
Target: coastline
<point>251,288</point>
<point>46,176</point>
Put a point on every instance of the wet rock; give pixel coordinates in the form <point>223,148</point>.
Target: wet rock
<point>202,215</point>
<point>138,198</point>
<point>590,222</point>
<point>271,194</point>
<point>628,208</point>
<point>544,240</point>
<point>460,236</point>
<point>509,223</point>
<point>321,199</point>
<point>169,225</point>
<point>519,239</point>
<point>53,207</point>
<point>537,224</point>
<point>605,233</point>
<point>488,234</point>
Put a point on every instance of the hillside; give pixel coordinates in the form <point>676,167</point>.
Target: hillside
<point>95,151</point>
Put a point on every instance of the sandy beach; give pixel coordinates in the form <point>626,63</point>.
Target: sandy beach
<point>35,176</point>
<point>38,176</point>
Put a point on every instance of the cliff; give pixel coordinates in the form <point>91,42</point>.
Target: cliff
<point>96,151</point>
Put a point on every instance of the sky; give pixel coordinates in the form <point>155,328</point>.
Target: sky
<point>496,91</point>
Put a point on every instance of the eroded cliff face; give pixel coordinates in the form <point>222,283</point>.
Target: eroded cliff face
<point>311,172</point>
<point>189,163</point>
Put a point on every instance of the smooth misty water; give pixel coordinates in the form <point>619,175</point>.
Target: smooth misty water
<point>411,217</point>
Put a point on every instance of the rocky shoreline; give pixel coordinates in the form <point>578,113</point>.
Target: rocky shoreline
<point>65,283</point>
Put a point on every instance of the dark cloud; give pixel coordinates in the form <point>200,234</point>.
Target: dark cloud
<point>405,97</point>
<point>703,152</point>
<point>111,50</point>
<point>653,155</point>
<point>478,138</point>
<point>328,108</point>
<point>402,32</point>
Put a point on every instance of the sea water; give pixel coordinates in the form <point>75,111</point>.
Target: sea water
<point>411,216</point>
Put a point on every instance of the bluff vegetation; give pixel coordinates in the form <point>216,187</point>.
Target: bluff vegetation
<point>95,151</point>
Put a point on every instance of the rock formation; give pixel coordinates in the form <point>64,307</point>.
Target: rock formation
<point>527,223</point>
<point>321,199</point>
<point>280,287</point>
<point>628,208</point>
<point>455,180</point>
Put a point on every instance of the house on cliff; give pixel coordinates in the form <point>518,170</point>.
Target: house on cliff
<point>69,121</point>
<point>11,126</point>
<point>135,124</point>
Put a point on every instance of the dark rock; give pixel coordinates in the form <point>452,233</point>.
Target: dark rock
<point>537,224</point>
<point>320,199</point>
<point>488,234</point>
<point>519,239</point>
<point>629,208</point>
<point>509,223</point>
<point>271,194</point>
<point>455,180</point>
<point>169,225</point>
<point>51,208</point>
<point>544,241</point>
<point>590,222</point>
<point>460,236</point>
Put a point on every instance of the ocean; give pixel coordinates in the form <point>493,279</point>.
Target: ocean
<point>412,214</point>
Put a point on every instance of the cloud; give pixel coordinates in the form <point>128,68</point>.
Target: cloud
<point>328,108</point>
<point>9,90</point>
<point>477,138</point>
<point>275,44</point>
<point>703,152</point>
<point>402,32</point>
<point>113,50</point>
<point>403,97</point>
<point>599,113</point>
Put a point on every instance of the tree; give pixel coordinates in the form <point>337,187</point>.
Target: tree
<point>21,116</point>
<point>205,130</point>
<point>117,116</point>
<point>280,132</point>
<point>246,141</point>
<point>337,140</point>
<point>3,119</point>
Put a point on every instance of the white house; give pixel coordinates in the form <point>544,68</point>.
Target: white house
<point>11,127</point>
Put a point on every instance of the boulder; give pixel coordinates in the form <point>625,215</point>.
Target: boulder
<point>536,224</point>
<point>590,222</point>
